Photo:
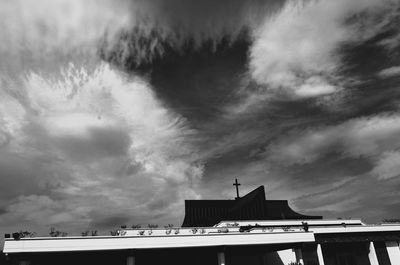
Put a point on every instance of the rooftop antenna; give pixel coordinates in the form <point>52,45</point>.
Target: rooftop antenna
<point>237,184</point>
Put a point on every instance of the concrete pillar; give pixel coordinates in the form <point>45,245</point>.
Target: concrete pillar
<point>373,259</point>
<point>299,256</point>
<point>320,256</point>
<point>221,258</point>
<point>130,260</point>
<point>393,251</point>
<point>287,255</point>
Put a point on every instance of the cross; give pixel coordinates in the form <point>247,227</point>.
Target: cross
<point>237,184</point>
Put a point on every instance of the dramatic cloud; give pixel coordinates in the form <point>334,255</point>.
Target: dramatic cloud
<point>388,165</point>
<point>102,141</point>
<point>42,34</point>
<point>358,137</point>
<point>114,112</point>
<point>298,50</point>
<point>34,209</point>
<point>389,72</point>
<point>158,27</point>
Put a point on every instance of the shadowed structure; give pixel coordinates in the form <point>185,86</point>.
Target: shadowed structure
<point>252,206</point>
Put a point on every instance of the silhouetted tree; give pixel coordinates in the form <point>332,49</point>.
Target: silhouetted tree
<point>57,233</point>
<point>23,234</point>
<point>114,232</point>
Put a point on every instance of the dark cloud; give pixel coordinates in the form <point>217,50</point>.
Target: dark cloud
<point>199,85</point>
<point>111,221</point>
<point>353,196</point>
<point>334,168</point>
<point>3,211</point>
<point>159,26</point>
<point>104,142</point>
<point>160,101</point>
<point>20,175</point>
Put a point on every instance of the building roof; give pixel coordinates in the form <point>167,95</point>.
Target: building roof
<point>252,206</point>
<point>58,244</point>
<point>262,233</point>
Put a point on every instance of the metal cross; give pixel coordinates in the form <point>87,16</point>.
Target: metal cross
<point>237,184</point>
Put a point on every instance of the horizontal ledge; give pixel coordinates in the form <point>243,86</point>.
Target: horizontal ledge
<point>120,243</point>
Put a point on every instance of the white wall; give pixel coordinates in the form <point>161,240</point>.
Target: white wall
<point>281,257</point>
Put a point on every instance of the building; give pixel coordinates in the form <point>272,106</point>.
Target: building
<point>253,206</point>
<point>283,237</point>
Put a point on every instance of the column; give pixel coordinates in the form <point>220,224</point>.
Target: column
<point>319,254</point>
<point>373,259</point>
<point>130,260</point>
<point>299,255</point>
<point>221,258</point>
<point>287,255</point>
<point>393,251</point>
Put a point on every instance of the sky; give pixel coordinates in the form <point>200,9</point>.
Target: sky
<point>114,112</point>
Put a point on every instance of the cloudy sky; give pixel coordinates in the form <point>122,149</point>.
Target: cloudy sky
<point>114,112</point>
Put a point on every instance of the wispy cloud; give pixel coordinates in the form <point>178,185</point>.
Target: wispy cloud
<point>368,136</point>
<point>388,165</point>
<point>298,49</point>
<point>42,34</point>
<point>102,139</point>
<point>158,27</point>
<point>389,72</point>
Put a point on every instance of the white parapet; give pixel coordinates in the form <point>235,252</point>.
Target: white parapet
<point>356,229</point>
<point>151,242</point>
<point>281,223</point>
<point>262,233</point>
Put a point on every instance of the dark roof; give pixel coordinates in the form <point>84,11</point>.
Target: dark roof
<point>357,237</point>
<point>253,206</point>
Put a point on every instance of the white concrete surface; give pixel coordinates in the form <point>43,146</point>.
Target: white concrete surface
<point>323,222</point>
<point>287,255</point>
<point>355,229</point>
<point>320,255</point>
<point>373,259</point>
<point>393,252</point>
<point>142,242</point>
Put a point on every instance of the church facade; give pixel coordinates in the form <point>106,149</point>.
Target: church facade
<point>246,231</point>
